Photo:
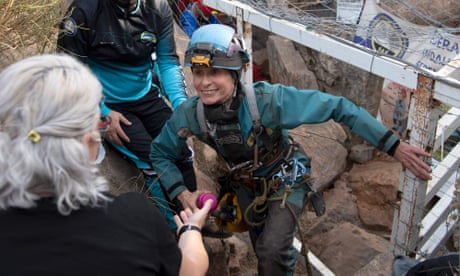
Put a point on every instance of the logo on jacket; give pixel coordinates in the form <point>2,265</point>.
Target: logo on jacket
<point>68,27</point>
<point>148,37</point>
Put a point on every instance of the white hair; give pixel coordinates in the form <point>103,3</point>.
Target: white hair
<point>47,104</point>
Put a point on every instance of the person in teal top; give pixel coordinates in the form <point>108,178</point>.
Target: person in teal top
<point>267,182</point>
<point>129,45</point>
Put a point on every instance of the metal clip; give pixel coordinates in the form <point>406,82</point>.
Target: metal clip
<point>287,191</point>
<point>289,172</point>
<point>294,168</point>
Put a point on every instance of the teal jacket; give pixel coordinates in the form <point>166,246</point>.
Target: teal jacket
<point>279,107</point>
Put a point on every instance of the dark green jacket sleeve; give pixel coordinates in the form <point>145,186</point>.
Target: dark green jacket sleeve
<point>167,147</point>
<point>289,107</point>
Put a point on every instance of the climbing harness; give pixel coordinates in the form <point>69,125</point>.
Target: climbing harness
<point>288,175</point>
<point>233,217</point>
<point>245,198</point>
<point>288,179</point>
<point>242,172</point>
<point>229,215</point>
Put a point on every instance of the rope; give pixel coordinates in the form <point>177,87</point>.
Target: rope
<point>304,250</point>
<point>260,204</point>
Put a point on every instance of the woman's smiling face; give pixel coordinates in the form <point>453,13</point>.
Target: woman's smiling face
<point>213,85</point>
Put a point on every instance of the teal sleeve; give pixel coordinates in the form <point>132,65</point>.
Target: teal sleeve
<point>167,147</point>
<point>291,107</point>
<point>105,110</point>
<point>172,79</point>
<point>169,69</point>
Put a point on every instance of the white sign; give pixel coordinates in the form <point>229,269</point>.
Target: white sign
<point>422,46</point>
<point>348,11</point>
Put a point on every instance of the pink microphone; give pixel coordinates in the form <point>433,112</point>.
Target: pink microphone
<point>203,198</point>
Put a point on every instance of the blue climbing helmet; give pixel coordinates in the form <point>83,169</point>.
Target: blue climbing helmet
<point>218,46</point>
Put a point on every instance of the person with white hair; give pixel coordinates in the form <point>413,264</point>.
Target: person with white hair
<point>56,214</point>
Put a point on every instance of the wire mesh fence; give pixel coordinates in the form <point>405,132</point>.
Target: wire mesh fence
<point>423,34</point>
<point>26,23</point>
<point>413,21</point>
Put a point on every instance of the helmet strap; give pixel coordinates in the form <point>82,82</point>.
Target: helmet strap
<point>236,79</point>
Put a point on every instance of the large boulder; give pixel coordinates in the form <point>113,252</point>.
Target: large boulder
<point>376,192</point>
<point>347,249</point>
<point>287,65</point>
<point>324,144</point>
<point>293,64</point>
<point>352,237</point>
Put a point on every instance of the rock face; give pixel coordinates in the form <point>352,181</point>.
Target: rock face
<point>323,143</point>
<point>336,248</point>
<point>375,192</point>
<point>288,66</point>
<point>354,233</point>
<point>299,66</point>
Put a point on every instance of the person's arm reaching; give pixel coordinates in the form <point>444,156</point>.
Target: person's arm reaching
<point>195,259</point>
<point>312,106</point>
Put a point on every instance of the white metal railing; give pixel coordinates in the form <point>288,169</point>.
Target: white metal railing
<point>415,229</point>
<point>447,89</point>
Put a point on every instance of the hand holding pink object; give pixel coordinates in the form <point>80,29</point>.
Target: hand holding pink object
<point>204,197</point>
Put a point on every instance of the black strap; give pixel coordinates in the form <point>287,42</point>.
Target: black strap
<point>250,96</point>
<point>393,148</point>
<point>175,186</point>
<point>384,140</point>
<point>187,227</point>
<point>201,118</point>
